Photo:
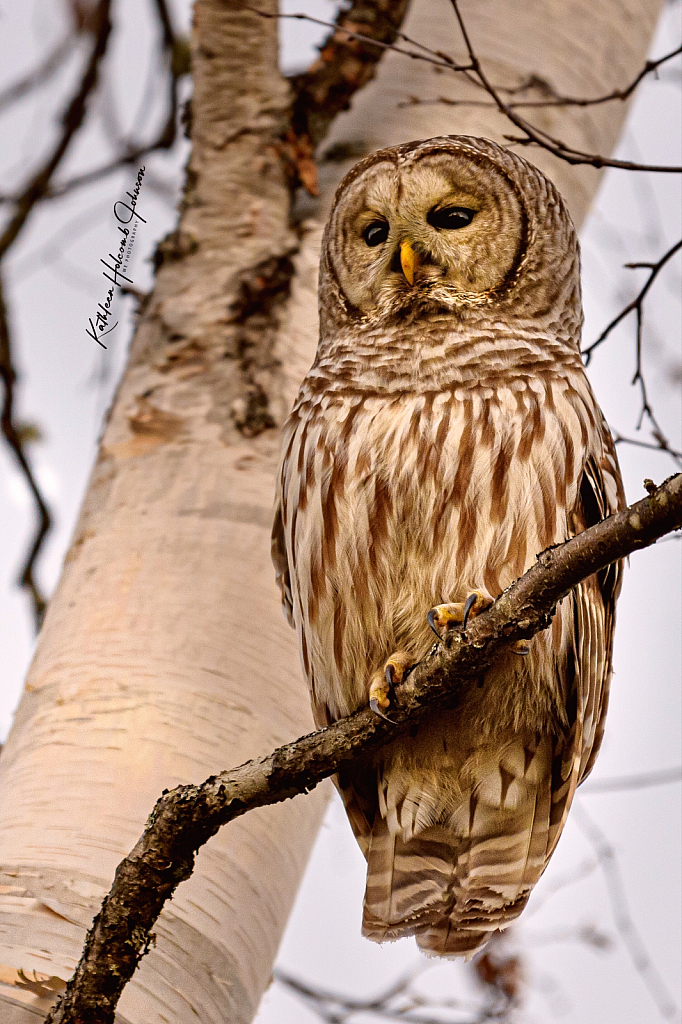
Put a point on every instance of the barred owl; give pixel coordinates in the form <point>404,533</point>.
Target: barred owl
<point>445,434</point>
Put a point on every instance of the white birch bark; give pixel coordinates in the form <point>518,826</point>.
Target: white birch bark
<point>164,656</point>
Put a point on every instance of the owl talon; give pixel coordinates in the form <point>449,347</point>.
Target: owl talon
<point>457,614</point>
<point>394,671</point>
<point>430,618</point>
<point>374,705</point>
<point>468,608</point>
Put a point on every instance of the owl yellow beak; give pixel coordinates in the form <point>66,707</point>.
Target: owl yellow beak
<point>409,261</point>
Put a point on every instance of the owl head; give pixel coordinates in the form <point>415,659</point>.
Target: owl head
<point>444,226</point>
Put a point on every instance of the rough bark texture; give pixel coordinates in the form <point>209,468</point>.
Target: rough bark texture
<point>185,819</point>
<point>164,655</point>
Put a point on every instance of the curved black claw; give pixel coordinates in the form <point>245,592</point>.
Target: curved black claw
<point>374,704</point>
<point>429,618</point>
<point>468,605</point>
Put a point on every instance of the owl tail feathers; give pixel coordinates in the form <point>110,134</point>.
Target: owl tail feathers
<point>413,888</point>
<point>409,887</point>
<point>446,940</point>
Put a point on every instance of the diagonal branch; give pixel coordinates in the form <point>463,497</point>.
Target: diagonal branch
<point>536,136</point>
<point>636,306</point>
<point>71,122</point>
<point>554,98</point>
<point>473,71</point>
<point>184,819</point>
<point>40,75</point>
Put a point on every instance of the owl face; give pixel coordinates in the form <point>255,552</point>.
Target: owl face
<point>443,227</point>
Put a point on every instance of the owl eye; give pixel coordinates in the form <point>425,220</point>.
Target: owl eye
<point>376,233</point>
<point>450,217</point>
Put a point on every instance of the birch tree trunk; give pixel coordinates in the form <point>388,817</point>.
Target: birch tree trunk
<point>164,656</point>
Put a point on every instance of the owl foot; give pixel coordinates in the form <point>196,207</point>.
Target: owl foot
<point>393,672</point>
<point>450,616</point>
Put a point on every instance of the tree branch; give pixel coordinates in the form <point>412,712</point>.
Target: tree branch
<point>473,71</point>
<point>24,204</point>
<point>40,188</point>
<point>347,62</point>
<point>554,99</point>
<point>637,306</point>
<point>184,819</point>
<point>536,136</point>
<point>40,75</point>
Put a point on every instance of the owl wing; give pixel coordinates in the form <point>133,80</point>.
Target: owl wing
<point>594,601</point>
<point>592,605</point>
<point>280,561</point>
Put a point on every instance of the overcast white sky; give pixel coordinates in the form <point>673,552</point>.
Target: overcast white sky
<point>53,284</point>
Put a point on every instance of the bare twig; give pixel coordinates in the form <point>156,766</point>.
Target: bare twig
<point>626,783</point>
<point>133,152</point>
<point>536,136</point>
<point>474,72</point>
<point>637,306</point>
<point>13,437</point>
<point>71,122</point>
<point>186,818</point>
<point>621,439</point>
<point>435,57</point>
<point>555,99</point>
<point>399,1002</point>
<point>621,913</point>
<point>40,75</point>
<point>24,205</point>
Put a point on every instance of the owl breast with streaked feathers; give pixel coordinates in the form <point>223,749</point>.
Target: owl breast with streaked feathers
<point>444,436</point>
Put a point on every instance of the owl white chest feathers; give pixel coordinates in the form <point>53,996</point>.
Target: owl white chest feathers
<point>433,452</point>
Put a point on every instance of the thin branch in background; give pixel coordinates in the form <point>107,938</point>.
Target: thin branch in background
<point>536,136</point>
<point>555,99</point>
<point>72,120</point>
<point>429,56</point>
<point>626,783</point>
<point>637,306</point>
<point>400,1001</point>
<point>12,434</point>
<point>40,75</point>
<point>176,53</point>
<point>186,818</point>
<point>621,913</point>
<point>473,71</point>
<point>40,187</point>
<point>24,205</point>
<point>621,439</point>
